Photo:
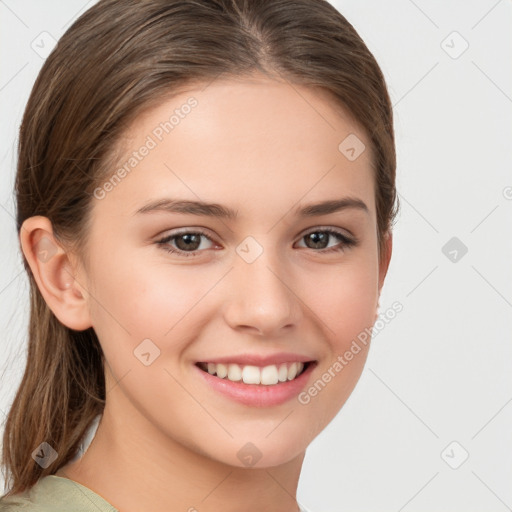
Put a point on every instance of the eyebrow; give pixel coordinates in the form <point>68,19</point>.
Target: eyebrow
<point>216,210</point>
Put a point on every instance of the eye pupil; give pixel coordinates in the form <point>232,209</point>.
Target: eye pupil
<point>189,241</point>
<point>318,237</point>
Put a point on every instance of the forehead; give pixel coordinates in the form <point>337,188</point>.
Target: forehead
<point>248,141</point>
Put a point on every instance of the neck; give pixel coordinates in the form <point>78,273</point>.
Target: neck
<point>134,466</point>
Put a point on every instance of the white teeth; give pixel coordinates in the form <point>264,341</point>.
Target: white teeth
<point>249,374</point>
<point>282,375</point>
<point>292,371</point>
<point>269,375</point>
<point>234,372</point>
<point>222,370</point>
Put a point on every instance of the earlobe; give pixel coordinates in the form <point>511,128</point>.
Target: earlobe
<point>54,273</point>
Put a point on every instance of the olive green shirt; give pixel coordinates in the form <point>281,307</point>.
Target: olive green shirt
<point>54,493</point>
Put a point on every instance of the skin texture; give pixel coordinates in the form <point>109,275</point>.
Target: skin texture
<point>167,441</point>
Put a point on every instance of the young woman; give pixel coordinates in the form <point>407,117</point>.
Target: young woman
<point>205,198</point>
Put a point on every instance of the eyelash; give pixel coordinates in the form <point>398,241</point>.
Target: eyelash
<point>345,241</point>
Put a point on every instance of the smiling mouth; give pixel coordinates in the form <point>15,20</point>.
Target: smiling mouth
<point>249,374</point>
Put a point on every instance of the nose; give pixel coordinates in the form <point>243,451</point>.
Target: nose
<point>262,297</point>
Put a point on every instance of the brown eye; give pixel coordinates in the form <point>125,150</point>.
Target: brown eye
<point>320,239</point>
<point>186,243</point>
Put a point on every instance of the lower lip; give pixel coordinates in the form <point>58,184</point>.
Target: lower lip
<point>258,395</point>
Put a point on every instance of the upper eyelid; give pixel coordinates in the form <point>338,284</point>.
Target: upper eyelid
<point>341,231</point>
<point>185,231</point>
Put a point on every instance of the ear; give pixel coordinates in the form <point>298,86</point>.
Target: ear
<point>54,273</point>
<point>385,258</point>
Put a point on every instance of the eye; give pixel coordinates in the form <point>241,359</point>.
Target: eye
<point>320,237</point>
<point>187,243</point>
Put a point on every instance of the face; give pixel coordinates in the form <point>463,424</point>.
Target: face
<point>262,273</point>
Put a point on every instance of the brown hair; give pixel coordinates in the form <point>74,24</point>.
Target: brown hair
<point>117,60</point>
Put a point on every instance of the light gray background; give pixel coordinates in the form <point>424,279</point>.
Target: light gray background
<point>440,371</point>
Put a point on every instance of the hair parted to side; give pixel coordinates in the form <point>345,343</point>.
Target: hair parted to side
<point>117,60</point>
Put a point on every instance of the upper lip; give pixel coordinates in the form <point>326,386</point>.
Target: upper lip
<point>259,360</point>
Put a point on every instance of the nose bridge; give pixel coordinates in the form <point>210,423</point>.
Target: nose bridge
<point>261,296</point>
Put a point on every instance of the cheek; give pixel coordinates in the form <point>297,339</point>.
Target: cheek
<point>344,297</point>
<point>137,301</point>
